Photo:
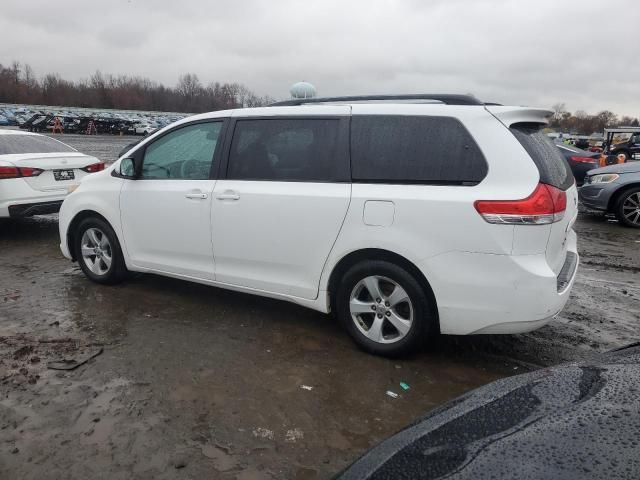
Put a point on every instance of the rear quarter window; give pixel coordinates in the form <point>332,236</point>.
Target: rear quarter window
<point>554,169</point>
<point>414,150</point>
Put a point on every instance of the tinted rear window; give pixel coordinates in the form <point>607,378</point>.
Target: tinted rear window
<point>302,150</point>
<point>414,149</point>
<point>10,144</point>
<point>554,169</point>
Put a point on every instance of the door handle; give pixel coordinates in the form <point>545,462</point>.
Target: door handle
<point>198,196</point>
<point>228,195</point>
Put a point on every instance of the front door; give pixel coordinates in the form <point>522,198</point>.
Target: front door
<point>280,208</point>
<point>166,213</point>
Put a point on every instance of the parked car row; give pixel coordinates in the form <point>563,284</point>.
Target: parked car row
<point>76,120</point>
<point>47,122</point>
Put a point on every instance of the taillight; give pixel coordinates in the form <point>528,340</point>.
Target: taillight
<point>18,172</point>
<point>94,167</point>
<point>545,205</point>
<point>30,172</point>
<point>584,160</point>
<point>9,172</point>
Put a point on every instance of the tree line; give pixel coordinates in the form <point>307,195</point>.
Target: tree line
<point>19,84</point>
<point>582,123</point>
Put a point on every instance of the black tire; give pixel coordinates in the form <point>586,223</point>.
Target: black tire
<point>623,211</point>
<point>625,153</point>
<point>423,308</point>
<point>117,270</point>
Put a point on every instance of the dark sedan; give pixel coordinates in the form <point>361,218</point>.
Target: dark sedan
<point>580,161</point>
<point>614,189</point>
<point>578,421</point>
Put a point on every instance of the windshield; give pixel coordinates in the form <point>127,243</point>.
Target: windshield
<point>13,144</point>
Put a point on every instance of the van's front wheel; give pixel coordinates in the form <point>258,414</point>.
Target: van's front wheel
<point>98,252</point>
<point>384,308</point>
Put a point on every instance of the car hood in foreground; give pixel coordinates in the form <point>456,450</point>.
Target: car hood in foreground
<point>576,421</point>
<point>629,167</point>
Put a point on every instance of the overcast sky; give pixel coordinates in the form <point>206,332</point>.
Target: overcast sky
<point>584,53</point>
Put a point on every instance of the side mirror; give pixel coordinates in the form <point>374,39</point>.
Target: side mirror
<point>129,168</point>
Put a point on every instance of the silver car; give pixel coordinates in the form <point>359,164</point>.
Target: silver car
<point>614,189</point>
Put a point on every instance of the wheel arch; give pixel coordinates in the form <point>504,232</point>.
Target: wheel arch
<point>613,200</point>
<point>73,226</point>
<point>357,256</point>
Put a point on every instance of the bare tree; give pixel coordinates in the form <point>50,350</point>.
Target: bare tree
<point>559,110</point>
<point>189,85</point>
<point>19,84</point>
<point>15,69</point>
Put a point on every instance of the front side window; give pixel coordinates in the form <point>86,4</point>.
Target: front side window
<point>304,150</point>
<point>183,154</point>
<point>414,150</point>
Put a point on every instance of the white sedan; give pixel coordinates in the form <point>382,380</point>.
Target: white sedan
<point>37,172</point>
<point>144,129</point>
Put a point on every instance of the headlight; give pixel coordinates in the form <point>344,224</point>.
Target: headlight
<point>604,178</point>
<point>72,188</point>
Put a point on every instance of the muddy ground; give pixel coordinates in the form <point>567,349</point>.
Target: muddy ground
<point>197,382</point>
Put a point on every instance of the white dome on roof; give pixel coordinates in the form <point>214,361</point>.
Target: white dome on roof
<point>302,90</point>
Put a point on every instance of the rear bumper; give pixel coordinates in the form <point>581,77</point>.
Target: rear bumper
<point>38,208</point>
<point>18,199</point>
<point>481,293</point>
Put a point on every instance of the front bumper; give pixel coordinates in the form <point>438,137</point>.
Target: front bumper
<point>597,195</point>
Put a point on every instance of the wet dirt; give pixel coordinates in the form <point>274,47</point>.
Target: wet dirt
<point>198,382</point>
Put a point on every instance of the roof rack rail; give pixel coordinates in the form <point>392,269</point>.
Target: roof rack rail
<point>448,99</point>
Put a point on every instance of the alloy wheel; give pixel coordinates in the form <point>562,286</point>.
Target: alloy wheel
<point>631,208</point>
<point>381,309</point>
<point>96,251</point>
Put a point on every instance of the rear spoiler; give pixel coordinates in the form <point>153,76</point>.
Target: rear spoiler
<point>510,115</point>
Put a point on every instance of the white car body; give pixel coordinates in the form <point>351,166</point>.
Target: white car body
<point>284,239</point>
<point>143,129</point>
<point>39,194</point>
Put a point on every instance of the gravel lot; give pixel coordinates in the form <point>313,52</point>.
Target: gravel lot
<point>197,382</point>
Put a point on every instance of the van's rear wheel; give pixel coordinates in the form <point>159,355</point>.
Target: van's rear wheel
<point>98,251</point>
<point>384,308</point>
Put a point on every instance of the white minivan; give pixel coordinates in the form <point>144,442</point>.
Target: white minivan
<point>404,215</point>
